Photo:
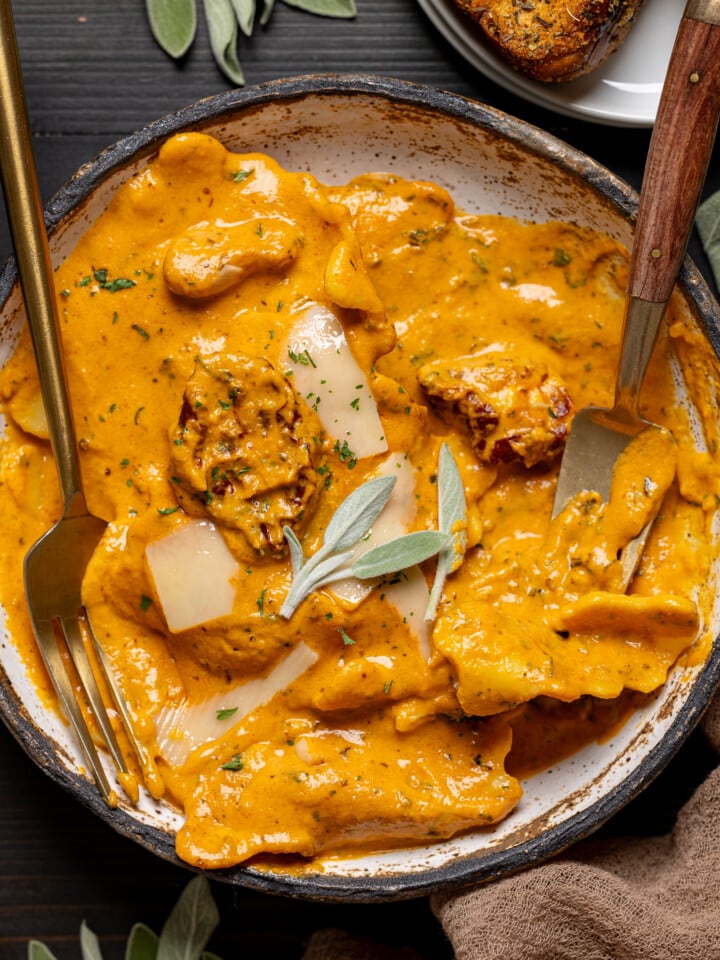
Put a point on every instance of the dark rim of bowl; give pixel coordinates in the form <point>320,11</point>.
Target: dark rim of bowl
<point>464,870</point>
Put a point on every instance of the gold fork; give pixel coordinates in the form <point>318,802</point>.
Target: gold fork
<point>55,565</point>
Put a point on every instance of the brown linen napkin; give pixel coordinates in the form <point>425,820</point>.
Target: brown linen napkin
<point>616,899</point>
<point>606,899</point>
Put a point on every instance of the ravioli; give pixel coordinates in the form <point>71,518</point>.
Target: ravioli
<point>248,348</point>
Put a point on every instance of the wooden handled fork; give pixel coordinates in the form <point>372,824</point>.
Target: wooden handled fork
<point>679,154</point>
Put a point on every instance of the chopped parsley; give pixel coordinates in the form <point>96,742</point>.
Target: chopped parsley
<point>303,357</point>
<point>235,764</point>
<point>112,286</point>
<point>226,713</point>
<point>347,640</point>
<point>345,453</point>
<point>261,602</point>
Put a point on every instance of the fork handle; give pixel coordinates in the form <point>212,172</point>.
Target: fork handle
<point>27,227</point>
<point>679,153</point>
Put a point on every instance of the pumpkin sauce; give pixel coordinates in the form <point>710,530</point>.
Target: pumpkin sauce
<point>246,348</point>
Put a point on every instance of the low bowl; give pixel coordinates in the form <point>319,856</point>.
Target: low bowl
<point>338,127</point>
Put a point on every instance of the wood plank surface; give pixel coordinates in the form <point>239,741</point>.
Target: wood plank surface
<point>94,74</point>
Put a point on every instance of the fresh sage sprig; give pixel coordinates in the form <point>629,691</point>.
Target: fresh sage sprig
<point>173,24</point>
<point>349,524</point>
<point>452,520</point>
<point>184,936</point>
<point>353,519</point>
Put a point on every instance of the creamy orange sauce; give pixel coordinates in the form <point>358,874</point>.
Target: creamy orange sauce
<point>209,421</point>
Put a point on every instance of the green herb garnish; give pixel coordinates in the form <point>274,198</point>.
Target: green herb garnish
<point>345,453</point>
<point>173,24</point>
<point>226,713</point>
<point>348,525</point>
<point>452,520</point>
<point>101,278</point>
<point>352,521</point>
<point>235,764</point>
<point>399,554</point>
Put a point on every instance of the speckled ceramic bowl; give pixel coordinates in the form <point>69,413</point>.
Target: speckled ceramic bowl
<point>338,127</point>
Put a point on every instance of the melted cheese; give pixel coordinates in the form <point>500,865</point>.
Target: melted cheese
<point>182,727</point>
<point>327,374</point>
<point>193,573</point>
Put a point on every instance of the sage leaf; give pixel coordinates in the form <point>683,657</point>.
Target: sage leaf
<point>38,951</point>
<point>296,550</point>
<point>89,944</point>
<point>191,923</point>
<point>223,30</point>
<point>311,577</point>
<point>355,515</point>
<point>349,524</point>
<point>142,943</point>
<point>399,554</point>
<point>245,14</point>
<point>325,8</point>
<point>452,508</point>
<point>266,11</point>
<point>452,520</point>
<point>707,221</point>
<point>173,24</point>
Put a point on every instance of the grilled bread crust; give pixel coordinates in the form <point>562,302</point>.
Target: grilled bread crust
<point>552,40</point>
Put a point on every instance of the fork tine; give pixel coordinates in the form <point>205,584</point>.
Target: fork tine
<point>62,683</point>
<point>55,565</point>
<point>74,639</point>
<point>119,701</point>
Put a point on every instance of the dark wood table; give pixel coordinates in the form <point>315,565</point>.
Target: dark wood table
<point>94,74</point>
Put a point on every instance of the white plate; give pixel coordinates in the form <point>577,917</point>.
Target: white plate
<point>624,92</point>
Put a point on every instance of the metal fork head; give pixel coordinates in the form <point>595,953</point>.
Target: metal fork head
<point>597,440</point>
<point>54,570</point>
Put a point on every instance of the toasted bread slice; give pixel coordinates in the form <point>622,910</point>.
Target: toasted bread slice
<point>553,40</point>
